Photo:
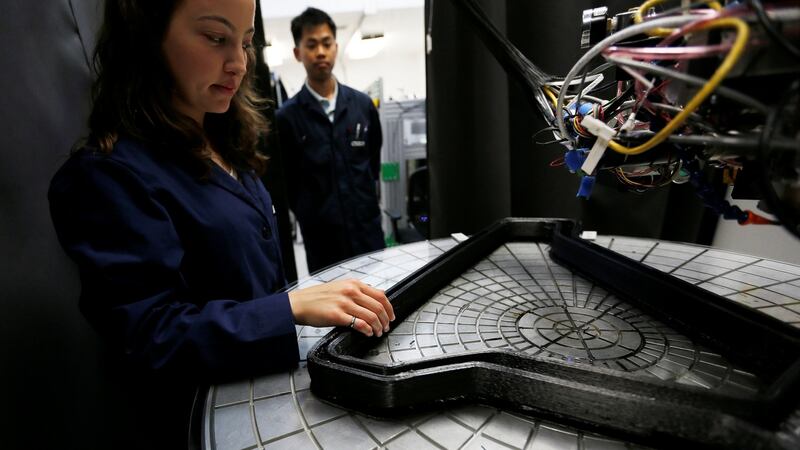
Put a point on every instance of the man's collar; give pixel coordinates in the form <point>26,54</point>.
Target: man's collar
<point>320,98</point>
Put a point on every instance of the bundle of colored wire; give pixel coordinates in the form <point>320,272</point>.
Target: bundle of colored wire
<point>665,177</point>
<point>743,33</point>
<point>623,34</point>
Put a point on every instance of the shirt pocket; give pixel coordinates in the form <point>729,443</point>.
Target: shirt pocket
<point>357,142</point>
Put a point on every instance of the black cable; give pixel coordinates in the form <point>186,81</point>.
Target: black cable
<point>769,27</point>
<point>543,130</point>
<point>554,141</point>
<point>516,64</point>
<point>612,107</point>
<point>603,87</point>
<point>601,68</point>
<point>533,138</point>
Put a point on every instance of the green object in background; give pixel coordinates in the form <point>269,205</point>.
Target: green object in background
<point>390,171</point>
<point>389,241</point>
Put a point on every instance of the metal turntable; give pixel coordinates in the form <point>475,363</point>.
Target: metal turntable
<point>519,301</point>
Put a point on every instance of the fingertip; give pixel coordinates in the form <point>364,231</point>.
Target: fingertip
<point>368,332</point>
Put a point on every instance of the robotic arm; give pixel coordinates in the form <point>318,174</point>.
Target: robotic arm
<point>664,94</point>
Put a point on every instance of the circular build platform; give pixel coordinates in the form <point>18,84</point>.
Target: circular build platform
<point>519,299</point>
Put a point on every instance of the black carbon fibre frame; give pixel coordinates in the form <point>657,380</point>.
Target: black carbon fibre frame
<point>628,405</point>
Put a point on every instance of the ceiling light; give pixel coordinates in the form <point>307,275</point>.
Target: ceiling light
<point>366,46</point>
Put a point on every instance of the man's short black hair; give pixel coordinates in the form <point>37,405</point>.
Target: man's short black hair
<point>310,18</point>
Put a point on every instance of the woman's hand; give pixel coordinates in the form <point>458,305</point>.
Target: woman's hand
<point>338,302</point>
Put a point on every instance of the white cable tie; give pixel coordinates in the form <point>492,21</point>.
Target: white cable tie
<point>604,134</point>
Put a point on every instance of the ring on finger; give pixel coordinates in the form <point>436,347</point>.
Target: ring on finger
<point>352,322</point>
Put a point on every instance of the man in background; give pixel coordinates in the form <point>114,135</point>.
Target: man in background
<point>331,138</point>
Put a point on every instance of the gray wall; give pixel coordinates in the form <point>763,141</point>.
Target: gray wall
<point>468,140</point>
<point>50,364</point>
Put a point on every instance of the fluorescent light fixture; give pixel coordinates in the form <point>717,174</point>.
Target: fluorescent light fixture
<point>366,46</point>
<point>274,53</point>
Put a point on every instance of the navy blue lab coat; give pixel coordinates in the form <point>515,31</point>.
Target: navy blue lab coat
<point>331,172</point>
<point>178,273</point>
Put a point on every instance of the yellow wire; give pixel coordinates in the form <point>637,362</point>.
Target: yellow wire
<point>638,16</point>
<point>550,94</point>
<point>743,33</point>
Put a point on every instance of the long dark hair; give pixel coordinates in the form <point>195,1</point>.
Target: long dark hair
<point>132,95</point>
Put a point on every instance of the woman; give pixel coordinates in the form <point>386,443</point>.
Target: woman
<point>166,218</point>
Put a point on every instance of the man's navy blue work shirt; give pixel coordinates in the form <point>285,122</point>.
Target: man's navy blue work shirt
<point>331,172</point>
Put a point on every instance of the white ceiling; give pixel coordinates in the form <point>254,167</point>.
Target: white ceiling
<point>403,28</point>
<point>281,8</point>
<point>400,64</point>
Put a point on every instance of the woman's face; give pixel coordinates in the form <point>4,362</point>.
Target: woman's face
<point>205,50</point>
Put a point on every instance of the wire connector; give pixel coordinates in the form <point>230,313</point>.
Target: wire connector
<point>574,159</point>
<point>604,134</point>
<point>587,185</point>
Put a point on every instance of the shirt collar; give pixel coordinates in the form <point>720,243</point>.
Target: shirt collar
<point>320,98</point>
<point>328,105</point>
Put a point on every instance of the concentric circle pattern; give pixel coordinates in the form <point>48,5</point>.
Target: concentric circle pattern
<point>582,334</point>
<point>520,301</point>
